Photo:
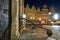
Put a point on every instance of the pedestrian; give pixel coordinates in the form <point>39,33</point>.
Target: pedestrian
<point>49,33</point>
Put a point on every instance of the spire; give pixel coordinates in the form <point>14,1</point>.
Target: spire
<point>38,9</point>
<point>45,6</point>
<point>52,9</point>
<point>27,6</point>
<point>45,9</point>
<point>33,7</point>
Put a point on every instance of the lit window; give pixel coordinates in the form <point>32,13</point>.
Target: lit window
<point>39,18</point>
<point>49,13</point>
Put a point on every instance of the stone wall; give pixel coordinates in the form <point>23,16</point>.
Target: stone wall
<point>3,15</point>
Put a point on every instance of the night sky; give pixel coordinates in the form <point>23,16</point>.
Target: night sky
<point>39,3</point>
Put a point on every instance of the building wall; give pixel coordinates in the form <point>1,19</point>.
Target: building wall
<point>3,15</point>
<point>35,14</point>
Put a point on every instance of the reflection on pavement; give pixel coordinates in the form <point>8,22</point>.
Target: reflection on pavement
<point>36,34</point>
<point>40,34</point>
<point>56,31</point>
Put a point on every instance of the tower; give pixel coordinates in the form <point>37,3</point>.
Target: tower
<point>44,9</point>
<point>27,7</point>
<point>38,10</point>
<point>27,11</point>
<point>33,9</point>
<point>52,9</point>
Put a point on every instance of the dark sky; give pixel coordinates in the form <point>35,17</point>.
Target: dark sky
<point>39,3</point>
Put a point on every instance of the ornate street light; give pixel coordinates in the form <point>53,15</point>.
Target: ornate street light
<point>55,16</point>
<point>23,16</point>
<point>22,21</point>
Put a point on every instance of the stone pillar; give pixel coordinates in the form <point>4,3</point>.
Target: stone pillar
<point>23,21</point>
<point>21,7</point>
<point>15,20</point>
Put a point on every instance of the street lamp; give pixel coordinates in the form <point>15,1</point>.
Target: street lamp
<point>23,16</point>
<point>23,21</point>
<point>49,13</point>
<point>56,16</point>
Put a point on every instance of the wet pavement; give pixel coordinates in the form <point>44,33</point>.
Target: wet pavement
<point>40,34</point>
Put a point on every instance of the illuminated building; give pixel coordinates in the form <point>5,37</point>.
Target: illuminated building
<point>37,14</point>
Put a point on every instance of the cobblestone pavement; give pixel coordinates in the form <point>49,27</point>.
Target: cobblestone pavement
<point>56,32</point>
<point>37,34</point>
<point>40,34</point>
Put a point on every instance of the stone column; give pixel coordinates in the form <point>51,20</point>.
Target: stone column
<point>15,20</point>
<point>23,21</point>
<point>21,7</point>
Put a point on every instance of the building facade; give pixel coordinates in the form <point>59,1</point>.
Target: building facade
<point>39,14</point>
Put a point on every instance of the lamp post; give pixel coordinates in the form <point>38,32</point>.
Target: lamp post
<point>54,16</point>
<point>24,16</point>
<point>23,22</point>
